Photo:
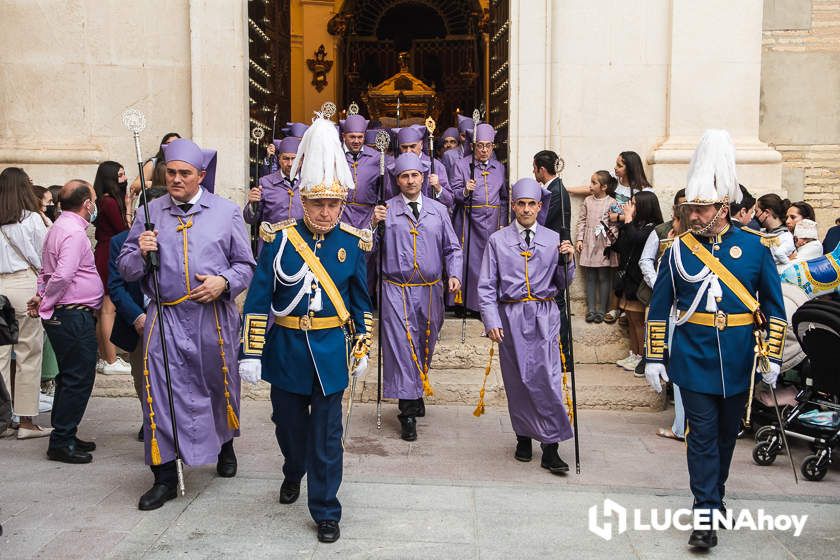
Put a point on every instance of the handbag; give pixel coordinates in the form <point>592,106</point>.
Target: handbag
<point>644,293</point>
<point>9,328</point>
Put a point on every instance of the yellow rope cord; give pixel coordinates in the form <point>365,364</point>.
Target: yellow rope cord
<point>567,393</point>
<point>479,410</point>
<point>155,448</point>
<point>233,421</point>
<point>424,368</point>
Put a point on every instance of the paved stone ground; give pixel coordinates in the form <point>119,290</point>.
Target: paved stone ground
<point>455,493</point>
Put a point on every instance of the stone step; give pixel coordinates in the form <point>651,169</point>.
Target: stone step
<point>601,386</point>
<point>457,371</point>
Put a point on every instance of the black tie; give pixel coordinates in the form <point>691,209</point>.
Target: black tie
<point>528,237</point>
<point>415,210</point>
<point>185,207</point>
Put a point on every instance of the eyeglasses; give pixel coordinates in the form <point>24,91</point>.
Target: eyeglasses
<point>484,145</point>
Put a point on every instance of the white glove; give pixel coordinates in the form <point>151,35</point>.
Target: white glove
<point>250,370</point>
<point>771,376</point>
<point>653,373</point>
<point>361,367</point>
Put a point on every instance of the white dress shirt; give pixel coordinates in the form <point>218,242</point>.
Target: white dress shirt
<point>521,229</point>
<point>647,262</point>
<point>28,237</point>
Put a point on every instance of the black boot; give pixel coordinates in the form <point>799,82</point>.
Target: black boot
<point>421,410</point>
<point>226,464</point>
<point>703,538</point>
<point>289,491</point>
<point>523,449</point>
<point>164,488</point>
<point>328,531</point>
<point>551,460</point>
<point>409,428</point>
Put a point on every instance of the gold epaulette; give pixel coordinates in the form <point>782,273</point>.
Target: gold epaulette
<point>365,236</point>
<point>269,231</point>
<point>753,231</point>
<point>664,245</point>
<point>769,240</point>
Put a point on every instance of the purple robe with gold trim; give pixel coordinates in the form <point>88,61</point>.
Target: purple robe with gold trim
<point>217,244</point>
<point>529,353</point>
<point>413,290</point>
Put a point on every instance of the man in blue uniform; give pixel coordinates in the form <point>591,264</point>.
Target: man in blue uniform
<point>707,286</point>
<point>311,278</point>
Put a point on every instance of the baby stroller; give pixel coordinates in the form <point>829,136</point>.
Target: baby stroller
<point>815,418</point>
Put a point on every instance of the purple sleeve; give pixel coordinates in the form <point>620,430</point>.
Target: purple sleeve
<point>451,248</point>
<point>488,299</point>
<point>561,280</point>
<point>241,259</point>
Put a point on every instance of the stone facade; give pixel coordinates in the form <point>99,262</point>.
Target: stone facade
<point>800,114</point>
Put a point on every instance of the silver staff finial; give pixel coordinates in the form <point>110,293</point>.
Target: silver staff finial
<point>476,116</point>
<point>134,120</point>
<point>382,140</point>
<point>257,133</point>
<point>328,109</point>
<point>353,109</point>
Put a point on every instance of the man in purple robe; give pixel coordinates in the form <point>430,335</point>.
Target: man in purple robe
<point>418,243</point>
<point>435,180</point>
<point>205,262</point>
<point>276,198</point>
<point>522,271</point>
<point>463,148</point>
<point>450,139</point>
<point>364,166</point>
<point>481,194</point>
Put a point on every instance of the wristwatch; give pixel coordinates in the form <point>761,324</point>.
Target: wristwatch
<point>227,285</point>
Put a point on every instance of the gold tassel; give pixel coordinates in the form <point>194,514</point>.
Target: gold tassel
<point>459,299</point>
<point>233,421</point>
<point>156,460</point>
<point>567,394</point>
<point>479,409</point>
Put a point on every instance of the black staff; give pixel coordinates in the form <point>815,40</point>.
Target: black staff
<point>564,233</point>
<point>256,133</point>
<point>468,225</point>
<point>135,121</point>
<point>382,141</point>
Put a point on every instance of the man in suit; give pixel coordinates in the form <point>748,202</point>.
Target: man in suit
<point>131,311</point>
<point>559,218</point>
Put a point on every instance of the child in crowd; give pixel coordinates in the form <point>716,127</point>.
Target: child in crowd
<point>594,234</point>
<point>807,241</point>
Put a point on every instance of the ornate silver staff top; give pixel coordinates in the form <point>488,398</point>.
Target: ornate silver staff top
<point>353,109</point>
<point>328,109</point>
<point>382,141</point>
<point>257,133</point>
<point>134,120</point>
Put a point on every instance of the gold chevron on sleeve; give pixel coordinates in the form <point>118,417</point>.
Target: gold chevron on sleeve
<point>253,333</point>
<point>776,337</point>
<point>655,339</point>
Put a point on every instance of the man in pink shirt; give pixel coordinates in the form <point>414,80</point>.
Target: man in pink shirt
<point>69,293</point>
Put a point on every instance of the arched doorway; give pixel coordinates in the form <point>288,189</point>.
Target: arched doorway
<point>442,38</point>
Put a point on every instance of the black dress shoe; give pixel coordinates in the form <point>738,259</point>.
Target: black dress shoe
<point>226,463</point>
<point>289,492</point>
<point>86,446</point>
<point>523,449</point>
<point>421,410</point>
<point>409,428</point>
<point>552,461</point>
<point>157,495</point>
<point>703,538</point>
<point>66,455</point>
<point>328,531</point>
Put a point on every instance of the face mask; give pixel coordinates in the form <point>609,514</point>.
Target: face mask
<point>50,211</point>
<point>123,185</point>
<point>93,213</point>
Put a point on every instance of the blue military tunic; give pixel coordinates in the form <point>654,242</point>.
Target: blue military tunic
<point>704,358</point>
<point>292,358</point>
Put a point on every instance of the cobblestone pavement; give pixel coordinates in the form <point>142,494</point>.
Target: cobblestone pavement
<point>454,493</point>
